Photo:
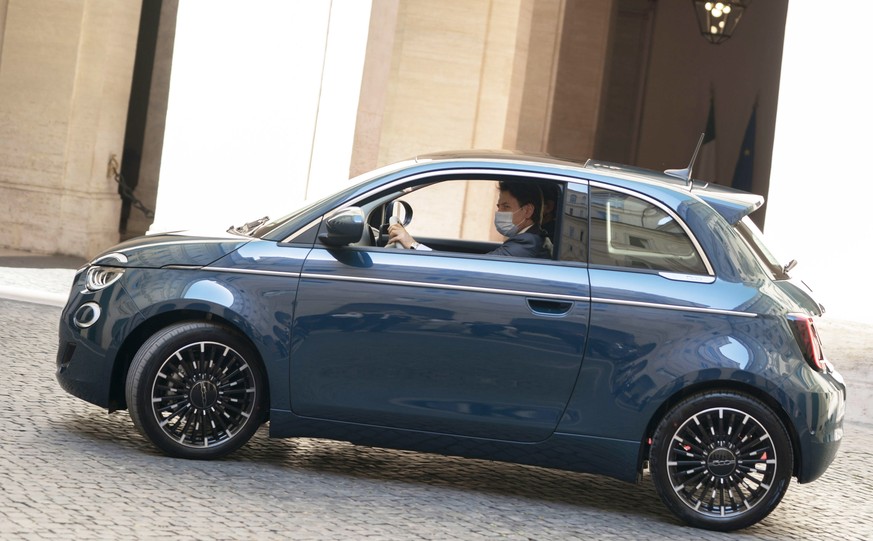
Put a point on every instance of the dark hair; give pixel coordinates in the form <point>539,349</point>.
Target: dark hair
<point>526,193</point>
<point>550,192</point>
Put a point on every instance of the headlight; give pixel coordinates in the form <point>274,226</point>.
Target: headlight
<point>97,278</point>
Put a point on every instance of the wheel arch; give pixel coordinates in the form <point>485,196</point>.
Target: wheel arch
<point>717,386</point>
<point>149,327</point>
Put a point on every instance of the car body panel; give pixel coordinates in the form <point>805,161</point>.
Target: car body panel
<point>443,343</point>
<point>86,357</point>
<point>183,248</point>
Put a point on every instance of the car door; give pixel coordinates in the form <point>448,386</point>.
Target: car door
<point>444,342</point>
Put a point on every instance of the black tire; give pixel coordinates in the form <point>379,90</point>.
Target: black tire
<point>721,460</point>
<point>196,390</point>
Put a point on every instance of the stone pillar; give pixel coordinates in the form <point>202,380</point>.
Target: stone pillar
<point>156,118</point>
<point>580,78</point>
<point>456,77</point>
<point>64,85</point>
<point>374,86</point>
<point>544,44</point>
<point>4,4</point>
<point>457,81</point>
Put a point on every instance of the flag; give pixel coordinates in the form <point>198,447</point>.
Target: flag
<point>743,172</point>
<point>706,169</point>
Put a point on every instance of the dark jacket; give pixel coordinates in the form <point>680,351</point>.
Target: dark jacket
<point>527,244</point>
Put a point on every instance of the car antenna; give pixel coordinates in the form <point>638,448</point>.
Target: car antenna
<point>685,174</point>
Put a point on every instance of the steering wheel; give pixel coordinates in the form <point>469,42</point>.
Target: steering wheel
<point>399,212</point>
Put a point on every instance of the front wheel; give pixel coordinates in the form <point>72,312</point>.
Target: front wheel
<point>721,460</point>
<point>196,390</point>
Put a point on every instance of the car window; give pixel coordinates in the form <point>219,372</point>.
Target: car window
<point>755,240</point>
<point>454,209</point>
<point>628,231</point>
<point>456,214</point>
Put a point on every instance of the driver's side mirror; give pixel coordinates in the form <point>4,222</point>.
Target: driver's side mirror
<point>343,227</point>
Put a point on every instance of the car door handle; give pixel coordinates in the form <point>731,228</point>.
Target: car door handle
<point>544,307</point>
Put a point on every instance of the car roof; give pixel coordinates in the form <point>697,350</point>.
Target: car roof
<point>732,204</point>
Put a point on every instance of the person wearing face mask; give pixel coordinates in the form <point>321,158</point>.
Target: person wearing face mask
<point>519,208</point>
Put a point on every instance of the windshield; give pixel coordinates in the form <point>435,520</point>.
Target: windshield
<point>755,239</point>
<point>306,206</point>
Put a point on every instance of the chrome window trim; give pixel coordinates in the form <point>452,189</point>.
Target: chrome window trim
<point>450,172</point>
<point>474,289</point>
<point>717,311</point>
<point>182,267</point>
<point>254,271</point>
<point>668,210</point>
<point>453,287</point>
<point>471,171</point>
<point>683,277</point>
<point>388,281</point>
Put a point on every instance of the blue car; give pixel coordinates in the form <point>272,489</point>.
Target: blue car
<point>625,320</point>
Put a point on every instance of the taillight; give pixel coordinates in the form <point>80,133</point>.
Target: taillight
<point>808,340</point>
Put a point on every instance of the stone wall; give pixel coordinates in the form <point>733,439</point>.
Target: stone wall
<point>64,87</point>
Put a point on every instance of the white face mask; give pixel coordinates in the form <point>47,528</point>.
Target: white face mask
<point>503,223</point>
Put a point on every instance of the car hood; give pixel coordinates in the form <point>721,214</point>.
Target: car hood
<point>187,248</point>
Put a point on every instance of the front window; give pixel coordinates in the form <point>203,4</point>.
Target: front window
<point>465,213</point>
<point>454,209</point>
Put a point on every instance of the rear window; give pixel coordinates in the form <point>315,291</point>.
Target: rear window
<point>753,236</point>
<point>628,231</point>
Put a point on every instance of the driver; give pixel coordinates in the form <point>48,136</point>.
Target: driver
<point>519,209</point>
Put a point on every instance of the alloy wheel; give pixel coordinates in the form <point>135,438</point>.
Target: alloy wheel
<point>203,394</point>
<point>721,462</point>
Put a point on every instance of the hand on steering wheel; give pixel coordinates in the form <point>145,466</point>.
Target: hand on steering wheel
<point>400,236</point>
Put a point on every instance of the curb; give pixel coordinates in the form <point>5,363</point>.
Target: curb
<point>33,296</point>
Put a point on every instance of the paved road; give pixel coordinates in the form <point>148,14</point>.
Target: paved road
<point>69,470</point>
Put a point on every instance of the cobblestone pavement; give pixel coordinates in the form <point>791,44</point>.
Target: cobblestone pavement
<point>69,470</point>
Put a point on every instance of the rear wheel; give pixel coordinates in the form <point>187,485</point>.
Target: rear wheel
<point>196,390</point>
<point>721,461</point>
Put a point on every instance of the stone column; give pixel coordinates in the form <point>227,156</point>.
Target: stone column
<point>580,78</point>
<point>533,121</point>
<point>65,78</point>
<point>456,81</point>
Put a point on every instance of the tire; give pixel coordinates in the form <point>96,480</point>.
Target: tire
<point>721,460</point>
<point>196,390</point>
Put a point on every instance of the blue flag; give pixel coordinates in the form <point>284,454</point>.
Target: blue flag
<point>744,170</point>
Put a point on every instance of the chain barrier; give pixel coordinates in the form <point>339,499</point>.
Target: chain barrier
<point>126,191</point>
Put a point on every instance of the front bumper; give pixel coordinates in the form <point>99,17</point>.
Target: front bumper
<point>92,329</point>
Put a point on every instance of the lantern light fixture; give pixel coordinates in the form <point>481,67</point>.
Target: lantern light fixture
<point>717,20</point>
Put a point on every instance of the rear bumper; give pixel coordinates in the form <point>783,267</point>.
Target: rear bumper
<point>820,438</point>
